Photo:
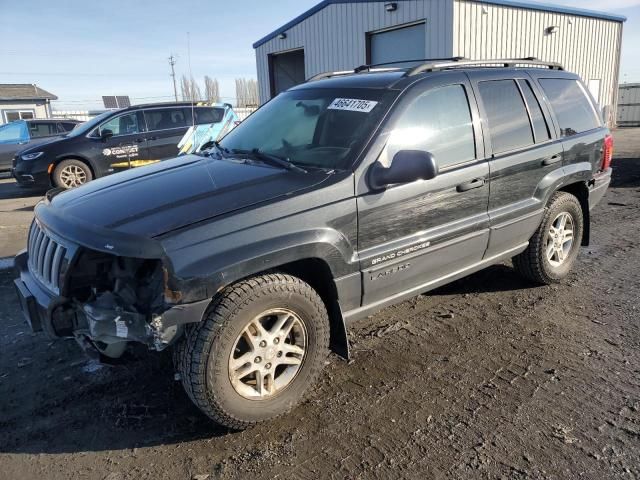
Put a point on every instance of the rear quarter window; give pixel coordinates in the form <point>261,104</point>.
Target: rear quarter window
<point>208,115</point>
<point>572,107</point>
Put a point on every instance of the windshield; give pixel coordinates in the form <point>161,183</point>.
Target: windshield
<point>87,126</point>
<point>312,127</point>
<point>14,132</point>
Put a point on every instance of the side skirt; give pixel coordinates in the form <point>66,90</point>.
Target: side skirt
<point>363,311</point>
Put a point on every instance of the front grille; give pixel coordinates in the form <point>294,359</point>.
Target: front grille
<point>45,257</point>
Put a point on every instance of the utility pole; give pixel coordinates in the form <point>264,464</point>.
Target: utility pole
<point>172,62</point>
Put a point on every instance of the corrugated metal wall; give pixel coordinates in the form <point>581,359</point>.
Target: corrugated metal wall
<point>335,37</point>
<point>586,46</point>
<point>629,105</point>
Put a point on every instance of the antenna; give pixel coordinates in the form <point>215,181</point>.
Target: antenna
<point>172,62</point>
<point>193,113</point>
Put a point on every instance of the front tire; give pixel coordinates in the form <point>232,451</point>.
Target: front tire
<point>554,246</point>
<point>71,173</point>
<point>262,344</point>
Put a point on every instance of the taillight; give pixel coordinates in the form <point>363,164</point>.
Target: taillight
<point>607,152</point>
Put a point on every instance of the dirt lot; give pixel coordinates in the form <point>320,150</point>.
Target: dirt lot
<point>486,378</point>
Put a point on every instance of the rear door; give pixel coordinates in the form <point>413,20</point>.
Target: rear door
<point>166,126</point>
<point>524,155</point>
<point>413,234</point>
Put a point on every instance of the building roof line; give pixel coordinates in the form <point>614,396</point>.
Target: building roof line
<point>580,12</point>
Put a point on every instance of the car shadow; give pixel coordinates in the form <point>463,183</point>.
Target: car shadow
<point>9,189</point>
<point>497,278</point>
<point>626,173</point>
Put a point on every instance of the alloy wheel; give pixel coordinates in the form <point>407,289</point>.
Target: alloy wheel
<point>560,239</point>
<point>268,354</point>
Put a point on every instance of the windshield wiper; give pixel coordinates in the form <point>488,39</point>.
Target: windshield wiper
<point>215,146</point>
<point>272,159</point>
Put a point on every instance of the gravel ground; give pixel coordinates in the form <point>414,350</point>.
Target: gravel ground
<point>488,377</point>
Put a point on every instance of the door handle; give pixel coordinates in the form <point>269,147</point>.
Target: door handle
<point>552,159</point>
<point>153,138</point>
<point>140,140</point>
<point>475,183</point>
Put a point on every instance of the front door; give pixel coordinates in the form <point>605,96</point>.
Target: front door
<point>126,148</point>
<point>411,235</point>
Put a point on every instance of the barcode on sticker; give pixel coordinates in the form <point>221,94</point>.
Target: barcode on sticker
<point>352,105</point>
<point>121,328</point>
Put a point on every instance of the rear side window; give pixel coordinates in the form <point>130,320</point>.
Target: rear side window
<point>506,114</point>
<point>540,127</point>
<point>208,115</point>
<point>42,129</point>
<point>64,127</point>
<point>573,109</point>
<point>439,122</point>
<point>165,118</point>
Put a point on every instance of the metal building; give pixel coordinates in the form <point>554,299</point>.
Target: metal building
<point>629,105</point>
<point>343,34</point>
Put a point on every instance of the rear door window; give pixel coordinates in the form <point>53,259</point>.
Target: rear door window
<point>540,127</point>
<point>439,122</point>
<point>165,118</point>
<point>574,111</point>
<point>507,115</point>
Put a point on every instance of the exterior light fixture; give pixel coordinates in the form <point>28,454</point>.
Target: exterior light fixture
<point>391,7</point>
<point>282,36</point>
<point>485,10</point>
<point>551,29</point>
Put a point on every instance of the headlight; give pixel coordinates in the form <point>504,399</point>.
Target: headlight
<point>31,156</point>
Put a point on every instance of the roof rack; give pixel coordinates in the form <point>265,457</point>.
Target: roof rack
<point>502,62</point>
<point>378,67</point>
<point>436,64</point>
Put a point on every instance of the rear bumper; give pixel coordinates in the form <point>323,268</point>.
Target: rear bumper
<point>598,187</point>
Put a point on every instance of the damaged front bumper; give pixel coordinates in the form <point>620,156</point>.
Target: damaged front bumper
<point>103,324</point>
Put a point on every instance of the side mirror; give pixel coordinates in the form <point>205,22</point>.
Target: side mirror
<point>407,166</point>
<point>106,134</point>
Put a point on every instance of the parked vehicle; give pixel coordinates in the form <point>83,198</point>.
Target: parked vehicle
<point>335,199</point>
<point>199,136</point>
<point>114,141</point>
<point>22,134</point>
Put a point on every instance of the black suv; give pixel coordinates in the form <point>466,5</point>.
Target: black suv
<point>113,141</point>
<point>338,197</point>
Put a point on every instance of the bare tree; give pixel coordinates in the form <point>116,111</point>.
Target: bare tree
<point>211,89</point>
<point>246,92</point>
<point>190,89</point>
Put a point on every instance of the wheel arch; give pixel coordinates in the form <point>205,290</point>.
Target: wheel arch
<point>581,192</point>
<point>72,156</point>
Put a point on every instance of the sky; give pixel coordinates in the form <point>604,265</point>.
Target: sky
<point>81,50</point>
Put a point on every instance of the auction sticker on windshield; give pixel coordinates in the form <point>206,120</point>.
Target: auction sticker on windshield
<point>352,105</point>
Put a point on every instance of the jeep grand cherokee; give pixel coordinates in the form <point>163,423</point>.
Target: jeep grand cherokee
<point>340,196</point>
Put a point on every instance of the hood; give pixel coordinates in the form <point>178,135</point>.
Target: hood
<point>152,200</point>
<point>35,143</point>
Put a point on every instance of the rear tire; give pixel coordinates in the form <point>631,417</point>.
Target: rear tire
<point>71,173</point>
<point>275,328</point>
<point>554,246</point>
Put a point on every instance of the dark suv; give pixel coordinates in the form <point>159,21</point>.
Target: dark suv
<point>338,197</point>
<point>22,134</point>
<point>113,141</point>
